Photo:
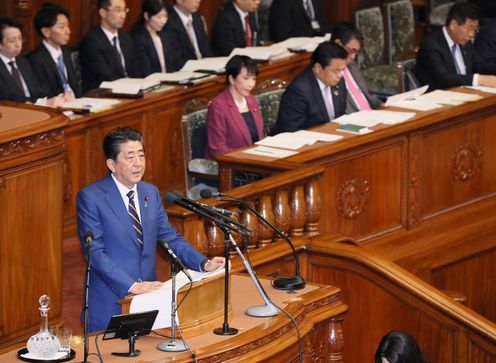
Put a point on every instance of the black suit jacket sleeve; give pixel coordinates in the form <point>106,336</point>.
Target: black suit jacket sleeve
<point>98,62</point>
<point>8,88</point>
<point>47,73</point>
<point>228,32</point>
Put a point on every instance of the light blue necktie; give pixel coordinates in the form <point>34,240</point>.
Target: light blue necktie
<point>453,53</point>
<point>61,69</point>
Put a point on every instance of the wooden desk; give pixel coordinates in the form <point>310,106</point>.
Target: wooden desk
<point>317,309</point>
<point>158,117</point>
<point>31,197</point>
<point>398,176</point>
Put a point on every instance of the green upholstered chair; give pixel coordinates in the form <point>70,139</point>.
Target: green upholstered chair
<point>268,94</point>
<point>194,139</point>
<point>438,11</point>
<point>401,30</point>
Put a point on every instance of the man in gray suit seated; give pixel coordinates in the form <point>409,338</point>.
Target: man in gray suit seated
<point>350,38</point>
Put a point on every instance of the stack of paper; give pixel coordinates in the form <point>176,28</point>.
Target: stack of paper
<point>303,44</point>
<point>209,65</point>
<point>482,88</point>
<point>296,140</point>
<point>410,100</point>
<point>130,86</point>
<point>374,117</point>
<point>262,53</point>
<point>270,152</point>
<point>449,97</point>
<point>90,104</point>
<point>180,77</point>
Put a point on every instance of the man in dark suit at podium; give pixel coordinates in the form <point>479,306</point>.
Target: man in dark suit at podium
<point>236,26</point>
<point>18,82</point>
<point>296,18</point>
<point>52,61</point>
<point>126,217</point>
<point>106,52</point>
<point>187,28</point>
<point>318,94</point>
<point>447,57</point>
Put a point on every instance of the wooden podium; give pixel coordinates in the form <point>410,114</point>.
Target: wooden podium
<point>31,215</point>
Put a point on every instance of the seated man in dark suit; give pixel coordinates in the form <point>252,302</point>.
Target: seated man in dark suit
<point>235,27</point>
<point>447,57</point>
<point>187,28</point>
<point>18,82</point>
<point>52,61</point>
<point>106,53</point>
<point>318,94</point>
<point>296,18</point>
<point>348,36</point>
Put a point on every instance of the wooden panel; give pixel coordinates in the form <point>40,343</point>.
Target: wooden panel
<point>457,164</point>
<point>473,276</point>
<point>363,191</point>
<point>480,354</point>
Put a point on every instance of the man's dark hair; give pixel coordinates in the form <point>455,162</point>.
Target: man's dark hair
<point>346,32</point>
<point>115,138</point>
<point>326,52</point>
<point>103,4</point>
<point>8,23</point>
<point>46,17</point>
<point>237,63</point>
<point>460,12</point>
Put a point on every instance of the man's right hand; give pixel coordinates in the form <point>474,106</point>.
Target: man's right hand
<point>145,286</point>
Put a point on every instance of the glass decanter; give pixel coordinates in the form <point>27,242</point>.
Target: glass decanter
<point>44,344</point>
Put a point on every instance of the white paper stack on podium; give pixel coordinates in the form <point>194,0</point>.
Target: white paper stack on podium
<point>298,139</point>
<point>90,104</point>
<point>161,299</point>
<point>210,65</point>
<point>130,86</point>
<point>411,101</point>
<point>374,117</point>
<point>449,97</point>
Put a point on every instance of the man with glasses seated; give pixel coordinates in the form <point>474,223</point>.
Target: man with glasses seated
<point>106,52</point>
<point>348,36</point>
<point>447,57</point>
<point>18,81</point>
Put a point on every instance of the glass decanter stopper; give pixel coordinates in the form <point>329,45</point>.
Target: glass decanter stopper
<point>44,344</point>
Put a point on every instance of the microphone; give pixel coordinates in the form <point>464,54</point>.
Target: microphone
<point>282,283</point>
<point>220,220</point>
<point>165,246</point>
<point>89,237</point>
<point>218,212</point>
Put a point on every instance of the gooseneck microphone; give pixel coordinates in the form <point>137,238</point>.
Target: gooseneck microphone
<point>165,246</point>
<point>295,282</point>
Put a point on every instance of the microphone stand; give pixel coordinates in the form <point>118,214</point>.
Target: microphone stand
<point>291,283</point>
<point>226,329</point>
<point>174,345</point>
<point>86,296</point>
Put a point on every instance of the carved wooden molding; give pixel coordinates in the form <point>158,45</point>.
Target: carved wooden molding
<point>466,162</point>
<point>336,340</point>
<point>352,198</point>
<point>31,143</point>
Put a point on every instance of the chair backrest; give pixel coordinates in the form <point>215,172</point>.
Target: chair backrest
<point>193,132</point>
<point>75,62</point>
<point>401,28</point>
<point>268,94</point>
<point>369,21</point>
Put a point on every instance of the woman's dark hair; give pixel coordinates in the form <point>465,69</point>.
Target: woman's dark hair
<point>151,7</point>
<point>399,347</point>
<point>115,138</point>
<point>237,63</point>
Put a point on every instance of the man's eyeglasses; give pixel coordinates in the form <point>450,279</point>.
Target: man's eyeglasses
<point>118,10</point>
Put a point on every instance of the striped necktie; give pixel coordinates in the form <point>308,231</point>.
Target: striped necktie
<point>133,213</point>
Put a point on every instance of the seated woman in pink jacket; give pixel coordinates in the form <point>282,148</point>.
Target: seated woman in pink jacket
<point>234,119</point>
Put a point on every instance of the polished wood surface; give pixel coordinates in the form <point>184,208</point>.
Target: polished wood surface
<point>381,297</point>
<point>317,309</point>
<point>31,196</point>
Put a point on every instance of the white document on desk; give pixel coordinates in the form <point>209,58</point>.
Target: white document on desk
<point>296,140</point>
<point>161,299</point>
<point>449,97</point>
<point>176,77</point>
<point>211,64</point>
<point>261,53</point>
<point>374,117</point>
<point>91,104</point>
<point>416,105</point>
<point>130,86</point>
<point>482,88</point>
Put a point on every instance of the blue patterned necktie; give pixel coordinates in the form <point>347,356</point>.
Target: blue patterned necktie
<point>118,55</point>
<point>61,69</point>
<point>133,213</point>
<point>453,53</point>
